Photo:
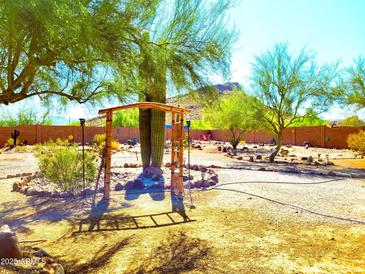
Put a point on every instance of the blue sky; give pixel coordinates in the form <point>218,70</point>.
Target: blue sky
<point>333,29</point>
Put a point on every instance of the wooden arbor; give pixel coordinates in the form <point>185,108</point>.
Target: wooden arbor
<point>177,143</point>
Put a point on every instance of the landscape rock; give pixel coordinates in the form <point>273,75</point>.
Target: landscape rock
<point>118,187</point>
<point>129,185</point>
<point>138,183</point>
<point>244,149</point>
<point>151,171</point>
<point>17,186</point>
<point>9,243</point>
<point>214,178</point>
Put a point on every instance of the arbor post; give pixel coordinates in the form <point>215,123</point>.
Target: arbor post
<point>108,155</point>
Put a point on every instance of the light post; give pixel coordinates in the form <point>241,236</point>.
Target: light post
<point>82,124</point>
<point>189,180</point>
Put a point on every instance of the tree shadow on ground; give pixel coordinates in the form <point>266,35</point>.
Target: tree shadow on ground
<point>177,254</point>
<point>99,260</point>
<point>48,209</point>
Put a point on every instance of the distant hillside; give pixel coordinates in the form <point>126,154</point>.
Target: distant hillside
<point>188,102</point>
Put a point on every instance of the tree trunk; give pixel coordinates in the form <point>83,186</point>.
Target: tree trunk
<point>235,137</point>
<point>279,143</point>
<point>145,136</point>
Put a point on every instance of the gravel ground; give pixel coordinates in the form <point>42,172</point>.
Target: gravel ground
<point>251,222</point>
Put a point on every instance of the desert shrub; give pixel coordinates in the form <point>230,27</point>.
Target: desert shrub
<point>61,163</point>
<point>99,141</point>
<point>10,142</point>
<point>356,141</point>
<point>21,149</point>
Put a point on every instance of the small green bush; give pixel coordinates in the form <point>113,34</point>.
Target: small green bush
<point>10,142</point>
<point>356,141</point>
<point>61,163</point>
<point>99,140</point>
<point>21,149</point>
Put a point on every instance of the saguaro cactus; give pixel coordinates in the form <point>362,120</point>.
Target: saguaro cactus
<point>15,135</point>
<point>157,136</point>
<point>145,136</point>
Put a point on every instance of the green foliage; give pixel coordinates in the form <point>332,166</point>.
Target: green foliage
<point>352,121</point>
<point>199,124</point>
<point>235,113</point>
<point>62,164</point>
<point>99,141</point>
<point>311,118</point>
<point>352,90</point>
<point>191,42</point>
<point>356,141</point>
<point>10,142</point>
<point>286,83</point>
<point>126,118</point>
<point>24,117</point>
<point>68,49</point>
<point>21,149</point>
<point>76,123</point>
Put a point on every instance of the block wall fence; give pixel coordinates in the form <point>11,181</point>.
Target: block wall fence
<point>319,136</point>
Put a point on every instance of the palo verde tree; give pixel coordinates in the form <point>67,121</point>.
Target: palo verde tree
<point>233,112</point>
<point>185,42</point>
<point>286,84</point>
<point>69,49</point>
<point>352,90</point>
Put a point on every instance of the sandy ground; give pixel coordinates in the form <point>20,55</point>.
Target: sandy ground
<point>251,222</point>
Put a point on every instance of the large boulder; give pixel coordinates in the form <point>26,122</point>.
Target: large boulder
<point>9,243</point>
<point>151,171</point>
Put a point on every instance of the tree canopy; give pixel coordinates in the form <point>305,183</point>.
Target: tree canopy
<point>352,121</point>
<point>353,86</point>
<point>70,49</point>
<point>310,118</point>
<point>235,113</point>
<point>287,83</point>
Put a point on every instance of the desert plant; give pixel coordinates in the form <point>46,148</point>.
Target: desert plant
<point>356,141</point>
<point>10,142</point>
<point>285,84</point>
<point>21,149</point>
<point>99,141</point>
<point>62,163</point>
<point>15,135</point>
<point>234,113</point>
